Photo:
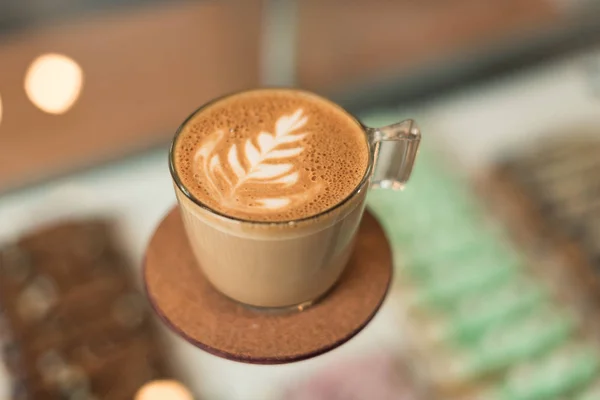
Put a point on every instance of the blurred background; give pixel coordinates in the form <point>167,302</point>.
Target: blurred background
<point>504,198</point>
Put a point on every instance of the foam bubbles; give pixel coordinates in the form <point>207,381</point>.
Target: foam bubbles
<point>329,166</point>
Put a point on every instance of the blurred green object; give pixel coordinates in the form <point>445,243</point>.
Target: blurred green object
<point>520,341</point>
<point>478,310</point>
<point>553,376</point>
<point>447,291</point>
<point>591,393</point>
<point>482,312</point>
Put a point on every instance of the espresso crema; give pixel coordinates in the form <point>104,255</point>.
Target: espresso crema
<point>271,155</point>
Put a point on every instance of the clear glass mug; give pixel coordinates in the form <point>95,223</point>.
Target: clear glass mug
<point>291,263</point>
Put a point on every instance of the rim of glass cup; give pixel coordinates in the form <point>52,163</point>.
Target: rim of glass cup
<point>206,207</point>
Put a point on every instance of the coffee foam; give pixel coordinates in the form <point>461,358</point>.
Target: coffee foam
<point>271,155</point>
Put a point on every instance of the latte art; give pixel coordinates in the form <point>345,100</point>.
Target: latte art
<point>260,160</point>
<point>271,155</point>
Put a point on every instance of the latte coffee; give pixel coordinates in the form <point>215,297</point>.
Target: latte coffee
<point>272,186</point>
<point>271,155</point>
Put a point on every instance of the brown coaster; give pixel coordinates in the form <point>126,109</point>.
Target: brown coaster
<point>188,304</point>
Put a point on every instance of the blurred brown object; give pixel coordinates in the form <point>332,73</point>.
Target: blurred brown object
<point>550,199</point>
<point>74,324</point>
<point>348,43</point>
<point>145,70</point>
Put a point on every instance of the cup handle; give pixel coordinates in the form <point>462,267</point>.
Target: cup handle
<point>394,148</point>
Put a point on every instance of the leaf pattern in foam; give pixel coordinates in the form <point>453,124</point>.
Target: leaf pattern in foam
<point>258,160</point>
<point>274,202</point>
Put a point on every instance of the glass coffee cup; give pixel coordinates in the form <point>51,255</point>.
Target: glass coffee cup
<point>259,210</point>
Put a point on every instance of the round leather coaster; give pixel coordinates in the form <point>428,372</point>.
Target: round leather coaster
<point>189,305</point>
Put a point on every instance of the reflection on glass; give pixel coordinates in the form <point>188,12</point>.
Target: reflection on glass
<point>53,83</point>
<point>163,390</point>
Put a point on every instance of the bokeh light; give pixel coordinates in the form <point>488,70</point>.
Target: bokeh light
<point>163,390</point>
<point>53,83</point>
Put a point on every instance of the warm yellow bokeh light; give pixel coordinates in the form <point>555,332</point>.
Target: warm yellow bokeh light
<point>53,83</point>
<point>163,390</point>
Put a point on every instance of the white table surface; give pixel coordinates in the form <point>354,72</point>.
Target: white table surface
<point>476,125</point>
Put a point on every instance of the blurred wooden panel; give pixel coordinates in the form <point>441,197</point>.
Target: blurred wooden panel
<point>343,43</point>
<point>144,71</point>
